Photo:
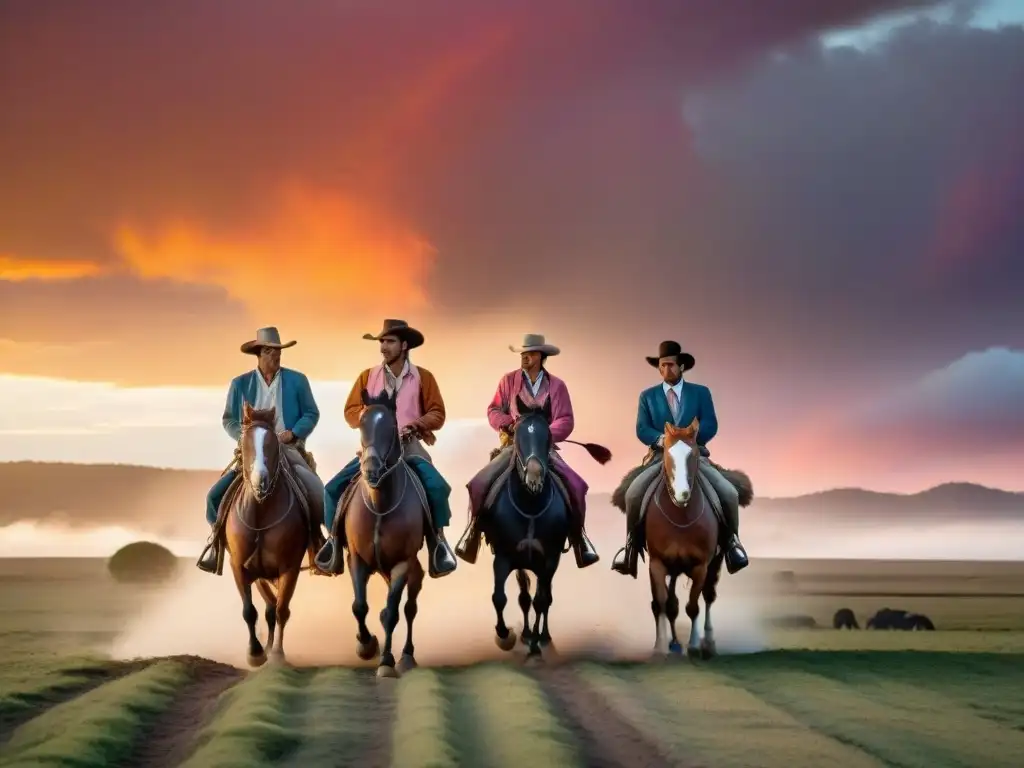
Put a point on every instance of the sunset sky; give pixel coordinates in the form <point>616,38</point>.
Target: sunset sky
<point>820,200</point>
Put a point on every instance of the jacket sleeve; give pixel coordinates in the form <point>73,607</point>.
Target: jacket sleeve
<point>230,420</point>
<point>309,414</point>
<point>354,404</point>
<point>646,432</point>
<point>497,414</point>
<point>707,417</point>
<point>434,415</point>
<point>563,421</point>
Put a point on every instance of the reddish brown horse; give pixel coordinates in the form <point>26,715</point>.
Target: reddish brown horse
<point>384,526</point>
<point>266,532</point>
<point>682,537</point>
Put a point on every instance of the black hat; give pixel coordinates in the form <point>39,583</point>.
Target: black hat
<point>398,328</point>
<point>672,349</point>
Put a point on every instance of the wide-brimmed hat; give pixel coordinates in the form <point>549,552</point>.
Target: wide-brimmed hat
<point>672,349</point>
<point>266,337</point>
<point>398,328</point>
<point>534,342</point>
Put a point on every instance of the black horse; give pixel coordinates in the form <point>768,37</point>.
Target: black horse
<point>527,527</point>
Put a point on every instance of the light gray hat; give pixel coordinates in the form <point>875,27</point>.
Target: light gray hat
<point>266,337</point>
<point>534,342</point>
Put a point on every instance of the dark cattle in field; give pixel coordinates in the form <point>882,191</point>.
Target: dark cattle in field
<point>890,618</point>
<point>845,619</point>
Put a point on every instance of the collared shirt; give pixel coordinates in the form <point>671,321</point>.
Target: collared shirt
<point>678,389</point>
<point>269,396</point>
<point>392,383</point>
<point>534,385</point>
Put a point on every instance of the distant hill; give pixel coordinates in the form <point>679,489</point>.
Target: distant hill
<point>948,499</point>
<point>170,502</point>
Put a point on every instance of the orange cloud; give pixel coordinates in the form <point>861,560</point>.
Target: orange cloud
<point>14,269</point>
<point>323,251</point>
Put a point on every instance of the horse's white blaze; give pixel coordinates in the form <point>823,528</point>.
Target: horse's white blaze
<point>680,453</point>
<point>259,461</point>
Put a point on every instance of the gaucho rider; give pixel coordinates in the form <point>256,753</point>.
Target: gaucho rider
<point>421,413</point>
<point>677,402</point>
<point>289,393</point>
<point>534,384</point>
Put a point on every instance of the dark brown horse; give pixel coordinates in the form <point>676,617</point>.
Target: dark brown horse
<point>384,526</point>
<point>682,537</point>
<point>266,532</point>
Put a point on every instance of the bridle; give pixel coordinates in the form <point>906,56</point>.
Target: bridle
<point>258,497</point>
<point>694,451</point>
<point>522,462</point>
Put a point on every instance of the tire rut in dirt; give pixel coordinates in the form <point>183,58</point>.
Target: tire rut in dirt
<point>605,739</point>
<point>92,678</point>
<point>169,740</point>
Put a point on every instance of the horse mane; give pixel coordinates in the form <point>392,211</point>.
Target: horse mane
<point>383,398</point>
<point>266,418</point>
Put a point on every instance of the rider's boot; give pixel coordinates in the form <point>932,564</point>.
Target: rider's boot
<point>331,557</point>
<point>625,560</point>
<point>583,549</point>
<point>440,559</point>
<point>735,555</point>
<point>469,545</point>
<point>208,560</point>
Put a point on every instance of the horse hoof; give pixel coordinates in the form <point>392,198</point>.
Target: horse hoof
<point>367,651</point>
<point>386,672</point>
<point>406,663</point>
<point>708,650</point>
<point>257,660</point>
<point>534,658</point>
<point>693,653</point>
<point>507,643</point>
<point>276,658</point>
<point>675,648</point>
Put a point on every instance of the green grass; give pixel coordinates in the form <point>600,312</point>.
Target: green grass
<point>99,727</point>
<point>851,698</point>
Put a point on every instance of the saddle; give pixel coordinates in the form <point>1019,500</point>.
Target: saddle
<point>353,486</point>
<point>499,484</point>
<point>235,488</point>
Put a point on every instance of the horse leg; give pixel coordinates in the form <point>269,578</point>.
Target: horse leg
<point>525,601</point>
<point>659,597</point>
<point>672,613</point>
<point>698,578</point>
<point>710,592</point>
<point>360,572</point>
<point>411,607</point>
<point>285,590</point>
<point>545,634</point>
<point>270,614</point>
<point>541,603</point>
<point>389,618</point>
<point>256,656</point>
<point>504,637</point>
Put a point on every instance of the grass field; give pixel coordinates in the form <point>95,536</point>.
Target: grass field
<point>819,698</point>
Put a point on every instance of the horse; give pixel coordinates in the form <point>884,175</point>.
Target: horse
<point>682,539</point>
<point>266,534</point>
<point>384,527</point>
<point>527,527</point>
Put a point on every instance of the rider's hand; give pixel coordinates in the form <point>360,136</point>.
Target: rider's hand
<point>408,431</point>
<point>661,442</point>
<point>286,436</point>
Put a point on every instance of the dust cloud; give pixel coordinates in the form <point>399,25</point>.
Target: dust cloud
<point>596,614</point>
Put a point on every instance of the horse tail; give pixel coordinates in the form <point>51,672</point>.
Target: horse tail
<point>741,481</point>
<point>619,494</point>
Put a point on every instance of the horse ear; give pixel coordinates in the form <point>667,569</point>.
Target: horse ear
<point>246,411</point>
<point>694,426</point>
<point>547,410</point>
<point>393,401</point>
<point>364,396</point>
<point>272,415</point>
<point>521,407</point>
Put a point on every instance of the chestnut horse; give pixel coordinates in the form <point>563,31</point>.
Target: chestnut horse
<point>682,539</point>
<point>384,527</point>
<point>265,531</point>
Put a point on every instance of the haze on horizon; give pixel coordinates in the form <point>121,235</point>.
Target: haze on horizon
<point>838,247</point>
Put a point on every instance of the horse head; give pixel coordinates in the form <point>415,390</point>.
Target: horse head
<point>261,451</point>
<point>681,461</point>
<point>378,436</point>
<point>532,442</point>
